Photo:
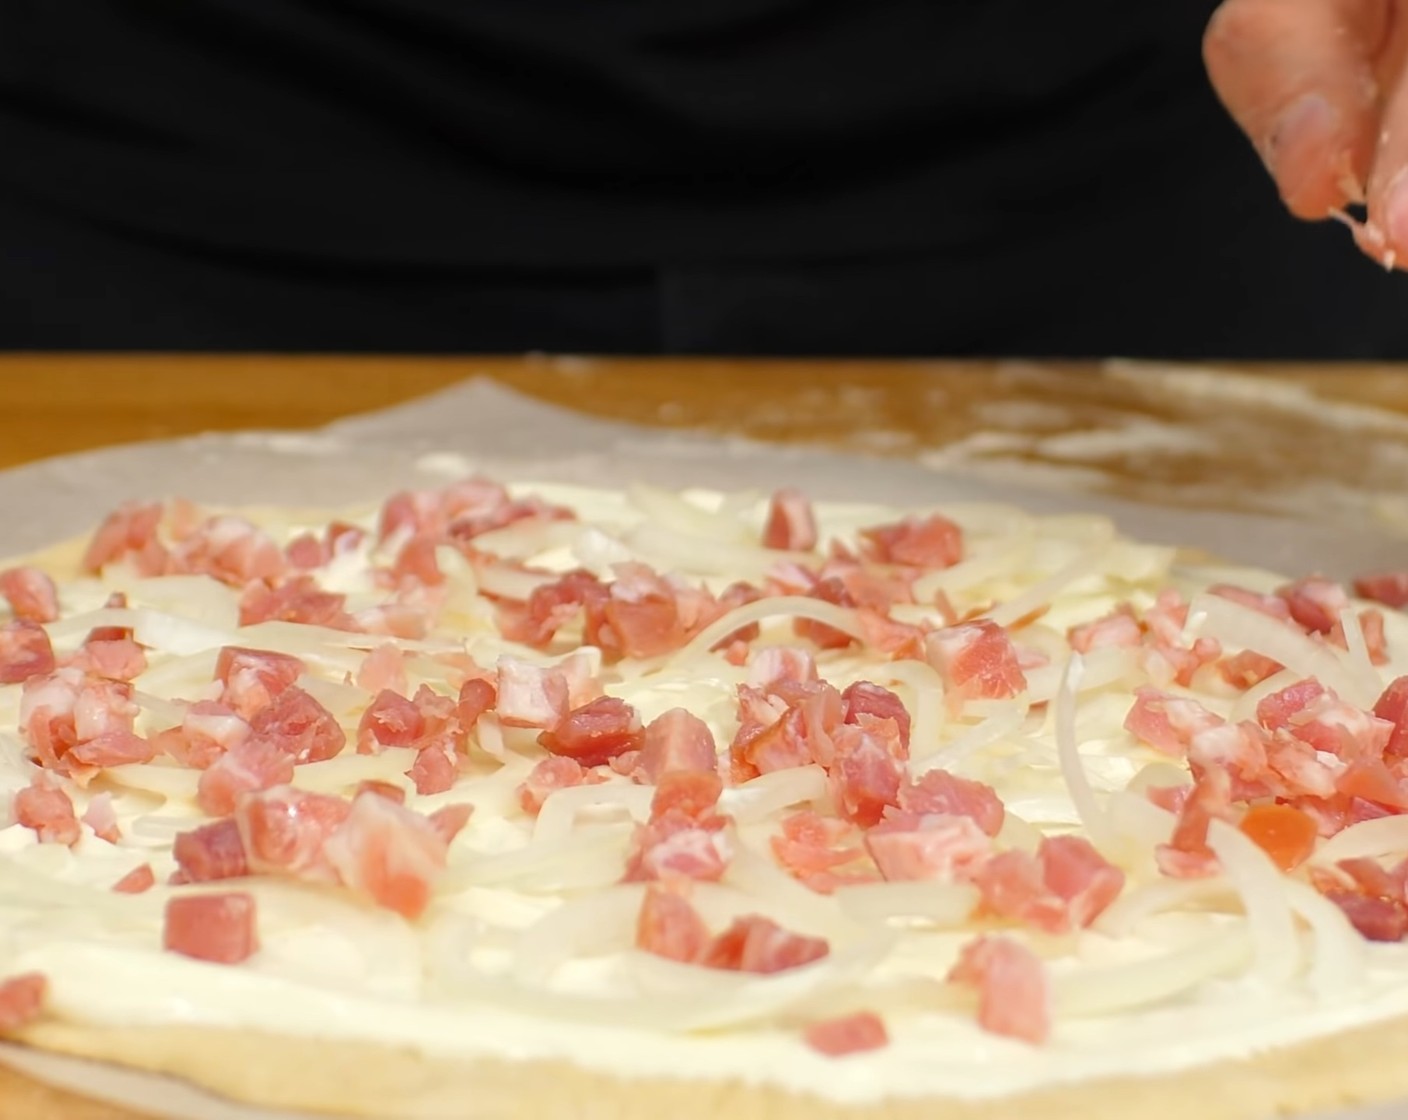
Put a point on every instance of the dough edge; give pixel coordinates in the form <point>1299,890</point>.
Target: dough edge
<point>364,1079</point>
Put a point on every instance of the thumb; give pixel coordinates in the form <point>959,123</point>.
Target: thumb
<point>1298,78</point>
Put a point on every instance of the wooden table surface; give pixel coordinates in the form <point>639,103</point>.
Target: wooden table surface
<point>1153,432</point>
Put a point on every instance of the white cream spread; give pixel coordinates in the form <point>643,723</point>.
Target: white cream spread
<point>480,974</point>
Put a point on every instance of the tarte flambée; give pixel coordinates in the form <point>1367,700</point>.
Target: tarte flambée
<point>499,801</point>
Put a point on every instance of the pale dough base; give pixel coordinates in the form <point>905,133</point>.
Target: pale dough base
<point>1357,1067</point>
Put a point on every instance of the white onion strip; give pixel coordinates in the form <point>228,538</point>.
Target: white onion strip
<point>1357,653</point>
<point>1264,898</point>
<point>782,606</point>
<point>1243,628</point>
<point>1114,988</point>
<point>1092,816</point>
<point>1041,593</point>
<point>998,726</point>
<point>1338,964</point>
<point>1382,836</point>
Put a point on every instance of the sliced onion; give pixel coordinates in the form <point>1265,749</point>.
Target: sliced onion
<point>1112,989</point>
<point>1039,594</point>
<point>559,812</point>
<point>348,769</point>
<point>595,924</point>
<point>926,704</point>
<point>1338,962</point>
<point>1092,816</point>
<point>1265,899</point>
<point>998,560</point>
<point>1241,627</point>
<point>1123,916</point>
<point>590,858</point>
<point>1357,654</point>
<point>1382,836</point>
<point>760,798</point>
<point>995,728</point>
<point>947,905</point>
<point>781,606</point>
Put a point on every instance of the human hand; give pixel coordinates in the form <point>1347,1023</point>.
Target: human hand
<point>1321,89</point>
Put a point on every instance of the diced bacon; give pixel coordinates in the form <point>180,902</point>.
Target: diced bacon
<point>388,853</point>
<point>1080,876</point>
<point>530,696</point>
<point>296,600</point>
<point>551,606</point>
<point>550,775</point>
<point>1012,887</point>
<point>102,818</point>
<point>253,677</point>
<point>848,1034</point>
<point>977,660</point>
<point>102,707</point>
<point>864,698</point>
<point>811,844</point>
<point>909,846</point>
<point>865,776</point>
<point>31,594</point>
<point>209,729</point>
<point>916,542</point>
<point>1370,779</point>
<point>1314,602</point>
<point>641,616</point>
<point>212,851</point>
<point>1371,877</point>
<point>410,511</point>
<point>384,669</point>
<point>129,528</point>
<point>1118,629</point>
<point>395,620</point>
<point>1315,715</point>
<point>212,927</point>
<point>433,771</point>
<point>670,927</point>
<point>255,764</point>
<point>416,563</point>
<point>754,943</point>
<point>676,740</point>
<point>299,726</point>
<point>25,651</point>
<point>49,812</point>
<point>897,640</point>
<point>116,601</point>
<point>22,999</point>
<point>1274,606</point>
<point>230,549</point>
<point>1165,722</point>
<point>790,524</point>
<point>1392,707</point>
<point>594,733</point>
<point>834,591</point>
<point>389,721</point>
<point>1376,919</point>
<point>448,821</point>
<point>676,845</point>
<point>47,707</point>
<point>306,552</point>
<point>137,881</point>
<point>1389,588</point>
<point>1371,625</point>
<point>939,792</point>
<point>476,697</point>
<point>113,748</point>
<point>779,745</point>
<point>285,830</point>
<point>1247,669</point>
<point>694,793</point>
<point>1013,994</point>
<point>119,659</point>
<point>781,663</point>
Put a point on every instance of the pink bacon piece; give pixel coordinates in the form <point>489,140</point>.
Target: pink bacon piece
<point>253,677</point>
<point>596,732</point>
<point>1014,997</point>
<point>916,542</point>
<point>31,594</point>
<point>22,999</point>
<point>791,523</point>
<point>976,660</point>
<point>25,652</point>
<point>849,1034</point>
<point>49,812</point>
<point>220,928</point>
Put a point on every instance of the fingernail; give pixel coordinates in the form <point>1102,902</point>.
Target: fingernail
<point>1396,211</point>
<point>1294,153</point>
